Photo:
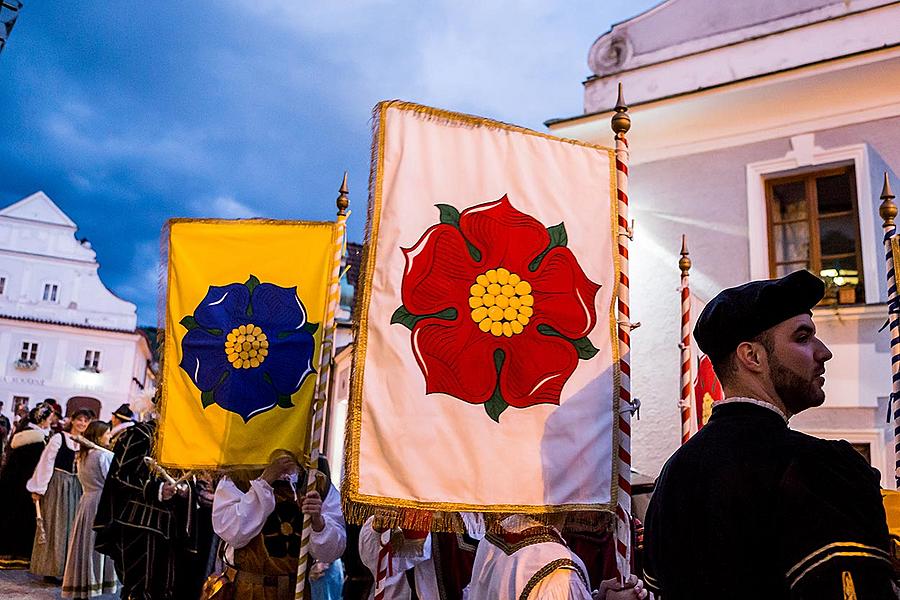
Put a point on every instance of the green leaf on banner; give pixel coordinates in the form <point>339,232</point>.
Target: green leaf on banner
<point>558,238</point>
<point>409,320</point>
<point>189,323</point>
<point>206,398</point>
<point>311,328</point>
<point>449,214</point>
<point>496,404</point>
<point>284,401</point>
<point>583,346</point>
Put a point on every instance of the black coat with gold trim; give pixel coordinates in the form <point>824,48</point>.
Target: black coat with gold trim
<point>751,509</point>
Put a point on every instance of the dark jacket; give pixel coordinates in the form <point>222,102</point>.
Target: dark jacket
<point>751,509</point>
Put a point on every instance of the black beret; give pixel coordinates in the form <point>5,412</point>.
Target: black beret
<point>124,412</point>
<point>741,313</point>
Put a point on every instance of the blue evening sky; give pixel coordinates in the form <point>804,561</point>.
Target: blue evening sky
<point>129,113</point>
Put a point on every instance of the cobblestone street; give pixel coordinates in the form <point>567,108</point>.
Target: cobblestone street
<point>22,585</point>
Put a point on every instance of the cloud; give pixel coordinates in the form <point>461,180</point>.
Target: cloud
<point>224,207</point>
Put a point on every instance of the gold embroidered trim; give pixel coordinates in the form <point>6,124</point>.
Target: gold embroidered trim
<point>827,547</point>
<point>358,507</point>
<point>559,563</point>
<point>537,538</point>
<point>847,584</point>
<point>836,555</point>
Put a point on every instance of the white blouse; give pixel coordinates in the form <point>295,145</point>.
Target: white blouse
<point>238,518</point>
<point>44,469</point>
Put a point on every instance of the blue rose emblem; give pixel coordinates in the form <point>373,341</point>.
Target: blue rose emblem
<point>249,347</point>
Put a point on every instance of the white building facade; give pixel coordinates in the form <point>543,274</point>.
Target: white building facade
<point>761,130</point>
<point>63,334</point>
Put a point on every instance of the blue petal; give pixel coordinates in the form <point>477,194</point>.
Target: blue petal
<point>244,392</point>
<point>277,308</point>
<point>224,307</point>
<point>289,361</point>
<point>204,358</point>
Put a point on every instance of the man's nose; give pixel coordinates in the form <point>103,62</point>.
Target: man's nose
<point>824,354</point>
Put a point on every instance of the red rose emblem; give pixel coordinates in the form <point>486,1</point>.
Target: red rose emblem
<point>498,308</point>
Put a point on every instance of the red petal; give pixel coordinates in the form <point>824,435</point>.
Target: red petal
<point>537,367</point>
<point>506,237</point>
<point>456,358</point>
<point>564,298</point>
<point>439,272</point>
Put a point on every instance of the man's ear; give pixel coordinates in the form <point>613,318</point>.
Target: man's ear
<point>751,356</point>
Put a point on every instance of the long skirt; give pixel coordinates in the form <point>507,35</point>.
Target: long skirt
<point>58,508</point>
<point>88,573</point>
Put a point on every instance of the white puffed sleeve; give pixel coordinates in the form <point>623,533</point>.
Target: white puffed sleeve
<point>328,545</point>
<point>237,517</point>
<point>44,469</point>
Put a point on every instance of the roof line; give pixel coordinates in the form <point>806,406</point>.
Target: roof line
<point>64,324</point>
<point>558,120</point>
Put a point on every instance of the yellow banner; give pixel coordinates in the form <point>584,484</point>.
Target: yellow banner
<point>245,311</point>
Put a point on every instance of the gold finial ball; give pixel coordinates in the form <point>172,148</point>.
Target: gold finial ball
<point>342,203</point>
<point>684,264</point>
<point>621,121</point>
<point>887,210</point>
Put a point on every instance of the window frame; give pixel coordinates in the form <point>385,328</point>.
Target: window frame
<point>814,256</point>
<point>31,348</point>
<point>91,361</point>
<point>805,153</point>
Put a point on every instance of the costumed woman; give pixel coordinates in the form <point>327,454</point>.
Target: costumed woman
<point>260,518</point>
<point>89,573</point>
<point>17,516</point>
<point>57,489</point>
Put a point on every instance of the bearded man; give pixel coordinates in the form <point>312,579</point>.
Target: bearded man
<point>749,508</point>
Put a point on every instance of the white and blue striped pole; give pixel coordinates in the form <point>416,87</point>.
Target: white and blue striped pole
<point>888,210</point>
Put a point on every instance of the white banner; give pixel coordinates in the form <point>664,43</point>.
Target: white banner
<point>486,362</point>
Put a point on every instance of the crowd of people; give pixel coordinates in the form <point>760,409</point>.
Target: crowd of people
<point>746,509</point>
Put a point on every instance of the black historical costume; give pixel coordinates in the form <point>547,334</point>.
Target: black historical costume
<point>55,480</point>
<point>17,515</point>
<point>143,534</point>
<point>748,508</point>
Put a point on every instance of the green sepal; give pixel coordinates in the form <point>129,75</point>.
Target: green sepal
<point>495,405</point>
<point>252,283</point>
<point>409,320</point>
<point>449,214</point>
<point>310,328</point>
<point>206,398</point>
<point>284,401</point>
<point>214,331</point>
<point>583,346</point>
<point>189,323</point>
<point>558,238</point>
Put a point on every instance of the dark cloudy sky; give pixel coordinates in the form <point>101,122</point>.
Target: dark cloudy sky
<point>128,113</point>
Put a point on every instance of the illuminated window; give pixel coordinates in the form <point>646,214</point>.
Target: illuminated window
<point>814,225</point>
<point>29,351</point>
<point>92,361</point>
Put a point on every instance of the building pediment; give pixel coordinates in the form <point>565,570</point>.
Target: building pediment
<point>680,28</point>
<point>40,208</point>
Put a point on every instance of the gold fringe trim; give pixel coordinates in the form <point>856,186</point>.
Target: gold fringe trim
<point>442,515</point>
<point>418,519</point>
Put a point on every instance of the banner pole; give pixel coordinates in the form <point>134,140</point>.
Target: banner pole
<point>888,210</point>
<point>687,403</point>
<point>326,355</point>
<point>621,123</point>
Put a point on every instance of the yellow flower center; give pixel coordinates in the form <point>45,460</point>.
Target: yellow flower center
<point>246,346</point>
<point>501,302</point>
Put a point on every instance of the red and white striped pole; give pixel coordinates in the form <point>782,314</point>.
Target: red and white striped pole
<point>686,404</point>
<point>621,123</point>
<point>326,355</point>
